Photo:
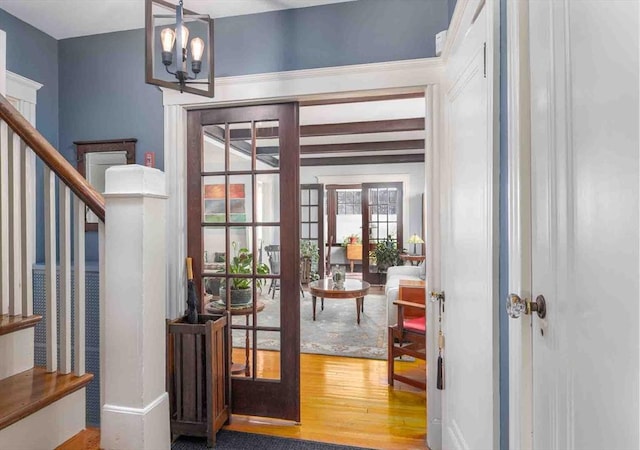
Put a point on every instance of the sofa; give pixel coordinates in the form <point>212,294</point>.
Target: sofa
<point>391,288</point>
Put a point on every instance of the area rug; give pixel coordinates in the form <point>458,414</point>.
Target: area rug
<point>236,440</point>
<point>334,332</point>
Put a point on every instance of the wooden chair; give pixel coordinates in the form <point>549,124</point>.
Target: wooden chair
<point>273,254</point>
<point>407,337</point>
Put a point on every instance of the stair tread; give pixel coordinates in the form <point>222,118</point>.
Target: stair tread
<point>30,391</point>
<point>9,324</point>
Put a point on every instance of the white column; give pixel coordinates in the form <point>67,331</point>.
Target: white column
<point>135,411</point>
<point>175,167</point>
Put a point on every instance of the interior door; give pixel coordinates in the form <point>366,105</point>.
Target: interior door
<point>584,173</point>
<point>243,233</point>
<point>470,403</point>
<point>312,221</point>
<point>381,219</point>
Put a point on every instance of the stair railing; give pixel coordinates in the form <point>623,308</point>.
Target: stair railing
<point>20,142</point>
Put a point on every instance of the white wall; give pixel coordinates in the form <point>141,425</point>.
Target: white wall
<point>413,172</point>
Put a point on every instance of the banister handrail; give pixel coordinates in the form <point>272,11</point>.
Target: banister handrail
<point>52,158</point>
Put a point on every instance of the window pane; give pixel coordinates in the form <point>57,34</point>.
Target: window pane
<point>268,198</point>
<point>214,249</point>
<point>240,152</point>
<point>213,148</point>
<point>268,357</point>
<point>213,199</point>
<point>240,198</point>
<point>268,145</point>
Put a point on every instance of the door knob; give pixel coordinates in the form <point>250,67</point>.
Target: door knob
<point>516,306</point>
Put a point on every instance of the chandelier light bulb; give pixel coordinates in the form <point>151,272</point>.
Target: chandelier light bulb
<point>185,36</point>
<point>167,37</point>
<point>197,49</point>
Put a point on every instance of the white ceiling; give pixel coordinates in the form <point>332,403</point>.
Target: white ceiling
<point>71,18</point>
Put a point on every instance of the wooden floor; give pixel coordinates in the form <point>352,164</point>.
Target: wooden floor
<point>344,401</point>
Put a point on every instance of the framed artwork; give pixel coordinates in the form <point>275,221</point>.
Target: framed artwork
<point>214,203</point>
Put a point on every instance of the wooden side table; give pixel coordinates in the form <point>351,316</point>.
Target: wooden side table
<point>412,291</point>
<point>216,307</point>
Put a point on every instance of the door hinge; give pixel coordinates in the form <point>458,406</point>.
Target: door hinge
<point>484,59</point>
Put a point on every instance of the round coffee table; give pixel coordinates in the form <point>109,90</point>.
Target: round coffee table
<point>352,289</point>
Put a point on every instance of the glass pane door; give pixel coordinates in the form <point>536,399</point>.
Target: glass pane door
<point>381,225</point>
<point>243,197</point>
<point>311,232</point>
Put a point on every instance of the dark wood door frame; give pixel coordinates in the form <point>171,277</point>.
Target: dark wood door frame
<point>320,189</point>
<point>252,396</point>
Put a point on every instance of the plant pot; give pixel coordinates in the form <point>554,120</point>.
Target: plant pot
<point>238,296</point>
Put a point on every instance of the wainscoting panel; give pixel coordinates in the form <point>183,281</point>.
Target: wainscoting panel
<point>92,337</point>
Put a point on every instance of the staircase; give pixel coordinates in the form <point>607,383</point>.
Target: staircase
<point>41,407</point>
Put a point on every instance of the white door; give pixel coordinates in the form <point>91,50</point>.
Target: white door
<point>584,257</point>
<point>469,257</point>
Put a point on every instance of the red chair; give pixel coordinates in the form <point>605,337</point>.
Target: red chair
<point>407,337</point>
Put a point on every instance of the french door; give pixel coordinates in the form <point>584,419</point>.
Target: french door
<point>381,219</point>
<point>243,235</point>
<point>312,221</point>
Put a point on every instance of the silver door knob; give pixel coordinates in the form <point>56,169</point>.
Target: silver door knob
<point>516,306</point>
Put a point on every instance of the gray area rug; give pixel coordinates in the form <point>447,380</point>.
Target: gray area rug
<point>236,440</point>
<point>335,331</point>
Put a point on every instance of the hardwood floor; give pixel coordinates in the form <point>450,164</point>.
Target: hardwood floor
<point>343,401</point>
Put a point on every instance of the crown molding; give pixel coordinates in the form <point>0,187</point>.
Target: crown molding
<point>294,84</point>
<point>22,88</point>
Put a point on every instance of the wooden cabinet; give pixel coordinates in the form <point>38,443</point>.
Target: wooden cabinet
<point>354,253</point>
<point>412,291</point>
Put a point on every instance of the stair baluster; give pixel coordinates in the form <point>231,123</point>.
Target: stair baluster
<point>65,278</point>
<point>50,268</point>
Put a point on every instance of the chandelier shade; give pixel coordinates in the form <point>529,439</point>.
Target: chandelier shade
<point>178,48</point>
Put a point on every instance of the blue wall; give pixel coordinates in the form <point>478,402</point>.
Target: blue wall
<point>504,243</point>
<point>34,55</point>
<point>103,94</point>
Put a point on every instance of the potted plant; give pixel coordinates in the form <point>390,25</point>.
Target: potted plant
<point>309,256</point>
<point>242,263</point>
<point>387,254</point>
<point>351,239</point>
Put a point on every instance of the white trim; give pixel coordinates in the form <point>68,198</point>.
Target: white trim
<point>22,88</point>
<point>136,411</point>
<point>390,77</point>
<point>292,85</point>
<point>519,227</point>
<point>454,33</point>
<point>432,239</point>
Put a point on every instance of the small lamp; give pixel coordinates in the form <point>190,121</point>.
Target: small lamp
<point>415,239</point>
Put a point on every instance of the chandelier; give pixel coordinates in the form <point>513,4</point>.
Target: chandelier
<point>179,48</point>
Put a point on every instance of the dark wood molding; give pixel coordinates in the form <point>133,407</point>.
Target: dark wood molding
<point>410,144</point>
<point>52,158</point>
<point>352,160</point>
<point>127,145</point>
<point>337,129</point>
<point>373,126</point>
<point>32,390</point>
<point>371,98</point>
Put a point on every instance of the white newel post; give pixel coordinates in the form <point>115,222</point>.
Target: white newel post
<point>135,411</point>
